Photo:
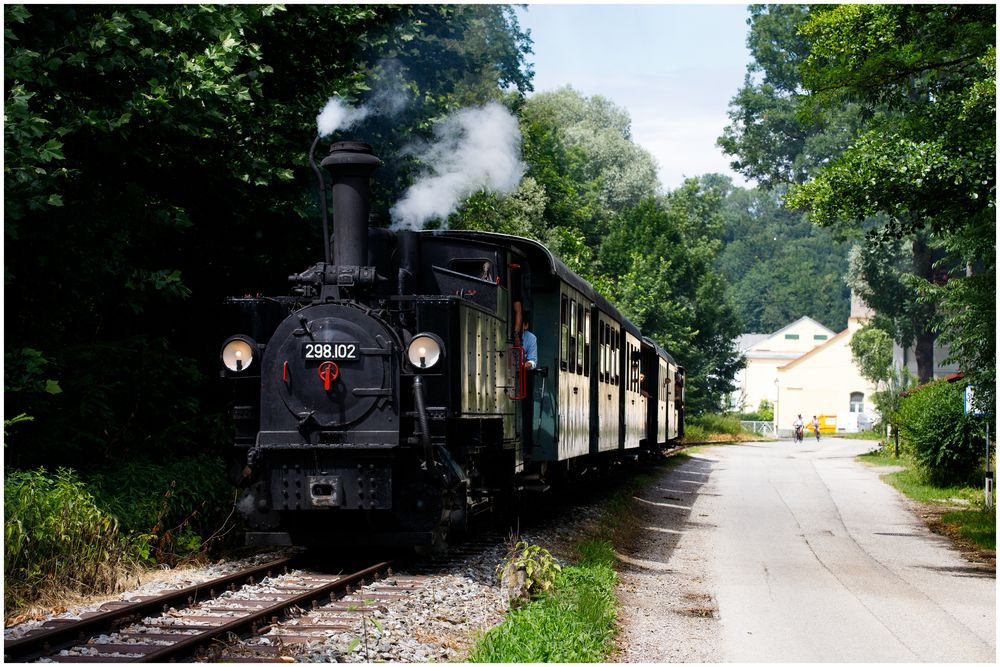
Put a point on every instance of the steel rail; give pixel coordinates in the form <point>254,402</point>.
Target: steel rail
<point>47,640</point>
<point>240,624</point>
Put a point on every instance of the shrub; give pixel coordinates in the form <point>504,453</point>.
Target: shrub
<point>55,537</point>
<point>710,423</point>
<point>527,571</point>
<point>170,508</point>
<point>764,413</point>
<point>946,444</point>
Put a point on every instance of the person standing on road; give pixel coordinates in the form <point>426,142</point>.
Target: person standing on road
<point>815,426</point>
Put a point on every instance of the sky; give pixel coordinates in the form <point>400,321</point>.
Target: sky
<point>673,67</point>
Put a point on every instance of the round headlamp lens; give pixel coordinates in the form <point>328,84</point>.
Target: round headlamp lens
<point>424,351</point>
<point>237,354</point>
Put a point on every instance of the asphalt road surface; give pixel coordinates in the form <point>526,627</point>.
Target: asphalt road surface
<point>814,559</point>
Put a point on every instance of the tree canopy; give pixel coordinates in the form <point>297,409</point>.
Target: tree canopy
<point>882,119</point>
<point>155,161</point>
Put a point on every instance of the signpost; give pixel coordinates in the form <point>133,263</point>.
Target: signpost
<point>972,409</point>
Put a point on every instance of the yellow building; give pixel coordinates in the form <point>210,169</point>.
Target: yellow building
<point>805,369</point>
<point>825,382</point>
<point>766,353</point>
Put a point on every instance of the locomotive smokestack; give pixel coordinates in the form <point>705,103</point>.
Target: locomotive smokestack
<point>351,165</point>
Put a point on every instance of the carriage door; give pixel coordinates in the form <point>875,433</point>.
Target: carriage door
<point>574,394</point>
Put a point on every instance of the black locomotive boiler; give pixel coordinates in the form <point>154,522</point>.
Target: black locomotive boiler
<point>385,402</point>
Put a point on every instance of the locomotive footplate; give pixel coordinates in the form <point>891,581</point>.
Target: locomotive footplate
<point>365,486</point>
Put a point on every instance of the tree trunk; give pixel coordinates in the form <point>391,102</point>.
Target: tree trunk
<point>923,353</point>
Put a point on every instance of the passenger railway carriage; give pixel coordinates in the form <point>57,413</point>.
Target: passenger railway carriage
<point>385,400</point>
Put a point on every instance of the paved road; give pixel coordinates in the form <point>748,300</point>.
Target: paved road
<point>814,559</point>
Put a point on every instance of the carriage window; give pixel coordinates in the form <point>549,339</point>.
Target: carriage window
<point>615,360</point>
<point>600,351</point>
<point>579,338</point>
<point>633,381</point>
<point>586,345</point>
<point>564,335</point>
<point>571,353</point>
<point>603,343</point>
<point>477,268</point>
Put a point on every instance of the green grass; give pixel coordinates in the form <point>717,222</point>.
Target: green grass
<point>969,518</point>
<point>573,623</point>
<point>978,526</point>
<point>715,427</point>
<point>860,435</point>
<point>56,539</point>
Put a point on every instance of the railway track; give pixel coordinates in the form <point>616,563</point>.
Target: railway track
<point>175,625</point>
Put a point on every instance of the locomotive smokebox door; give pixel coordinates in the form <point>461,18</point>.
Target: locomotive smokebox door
<point>334,368</point>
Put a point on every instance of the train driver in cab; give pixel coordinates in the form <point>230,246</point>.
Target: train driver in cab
<point>530,344</point>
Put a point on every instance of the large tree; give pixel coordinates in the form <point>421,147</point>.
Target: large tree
<point>878,99</point>
<point>659,266</point>
<point>778,265</point>
<point>925,161</point>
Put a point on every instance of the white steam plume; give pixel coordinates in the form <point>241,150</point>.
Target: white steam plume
<point>475,149</point>
<point>337,115</point>
<point>388,98</point>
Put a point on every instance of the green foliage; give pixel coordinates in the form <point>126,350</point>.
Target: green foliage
<point>56,537</point>
<point>871,349</point>
<point>778,265</point>
<point>925,160</point>
<point>200,117</point>
<point>764,412</point>
<point>883,116</point>
<point>657,265</point>
<point>946,444</point>
<point>540,567</point>
<point>776,136</point>
<point>175,508</point>
<point>573,623</point>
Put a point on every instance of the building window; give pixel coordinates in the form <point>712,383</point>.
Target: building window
<point>819,337</point>
<point>857,401</point>
<point>791,336</point>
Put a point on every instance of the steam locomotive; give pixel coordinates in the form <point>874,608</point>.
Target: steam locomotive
<point>385,402</point>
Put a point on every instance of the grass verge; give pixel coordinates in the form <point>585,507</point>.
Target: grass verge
<point>956,511</point>
<point>576,620</point>
<point>573,623</point>
<point>716,428</point>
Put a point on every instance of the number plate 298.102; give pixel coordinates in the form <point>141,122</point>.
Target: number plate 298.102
<point>332,351</point>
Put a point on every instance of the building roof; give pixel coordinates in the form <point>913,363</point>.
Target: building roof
<point>746,342</point>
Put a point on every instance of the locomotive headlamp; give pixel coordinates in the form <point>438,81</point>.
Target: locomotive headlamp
<point>425,350</point>
<point>238,353</point>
